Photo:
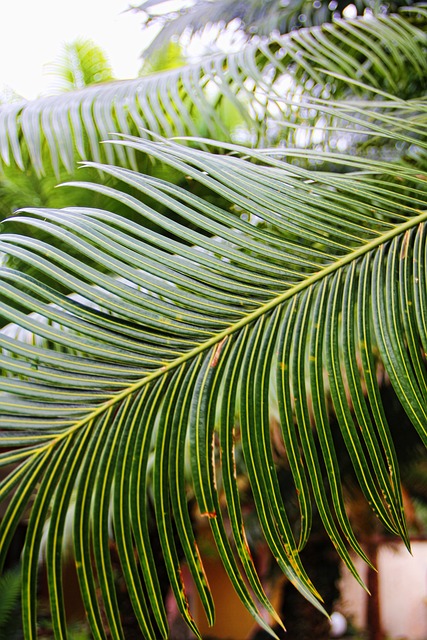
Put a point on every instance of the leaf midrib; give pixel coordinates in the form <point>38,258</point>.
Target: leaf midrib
<point>251,317</point>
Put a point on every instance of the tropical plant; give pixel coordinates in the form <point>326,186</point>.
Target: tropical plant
<point>251,18</point>
<point>10,586</point>
<point>265,282</point>
<point>81,64</point>
<point>262,84</point>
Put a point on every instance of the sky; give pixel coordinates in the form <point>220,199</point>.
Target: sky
<point>33,31</point>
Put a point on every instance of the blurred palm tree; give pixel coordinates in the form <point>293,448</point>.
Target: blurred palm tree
<point>249,17</point>
<point>81,64</point>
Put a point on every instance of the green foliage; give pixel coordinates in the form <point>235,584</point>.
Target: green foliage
<point>238,289</point>
<point>253,17</point>
<point>263,83</point>
<point>168,57</point>
<point>179,344</point>
<point>10,587</point>
<point>81,65</point>
<point>78,634</point>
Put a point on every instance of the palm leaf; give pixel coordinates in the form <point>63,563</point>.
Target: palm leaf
<point>387,53</point>
<point>81,64</point>
<point>10,583</point>
<point>174,341</point>
<point>253,16</point>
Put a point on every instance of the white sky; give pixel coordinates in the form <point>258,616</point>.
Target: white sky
<point>32,32</point>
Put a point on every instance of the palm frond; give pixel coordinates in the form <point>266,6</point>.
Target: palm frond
<point>10,585</point>
<point>387,53</point>
<point>173,351</point>
<point>254,17</point>
<point>81,64</point>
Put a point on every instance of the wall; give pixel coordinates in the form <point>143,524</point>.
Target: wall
<point>403,592</point>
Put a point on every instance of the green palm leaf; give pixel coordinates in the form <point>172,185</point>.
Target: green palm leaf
<point>81,64</point>
<point>10,583</point>
<point>225,96</point>
<point>172,349</point>
<point>254,17</point>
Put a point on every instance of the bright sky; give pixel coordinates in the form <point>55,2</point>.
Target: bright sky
<point>32,32</point>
